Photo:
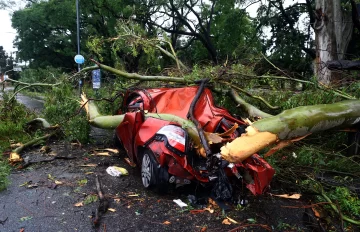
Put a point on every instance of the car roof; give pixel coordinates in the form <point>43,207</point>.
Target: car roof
<point>177,101</point>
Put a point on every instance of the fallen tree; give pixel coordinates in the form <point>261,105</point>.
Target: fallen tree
<point>290,125</point>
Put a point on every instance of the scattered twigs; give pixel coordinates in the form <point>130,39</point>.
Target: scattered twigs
<point>248,76</point>
<point>266,227</point>
<point>277,68</point>
<point>28,163</point>
<point>304,206</point>
<point>335,91</point>
<point>333,206</point>
<point>2,222</point>
<point>103,204</point>
<point>250,95</point>
<point>318,85</point>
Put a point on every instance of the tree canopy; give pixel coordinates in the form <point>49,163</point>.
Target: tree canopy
<point>210,32</point>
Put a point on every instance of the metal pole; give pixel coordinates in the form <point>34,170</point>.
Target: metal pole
<point>78,38</point>
<point>78,30</point>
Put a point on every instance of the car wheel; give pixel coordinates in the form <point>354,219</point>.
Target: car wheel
<point>117,142</point>
<point>152,175</point>
<point>148,168</point>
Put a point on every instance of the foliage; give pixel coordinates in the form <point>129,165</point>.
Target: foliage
<point>90,199</point>
<point>6,62</point>
<point>12,118</point>
<point>47,75</point>
<point>349,202</point>
<point>62,107</point>
<point>45,37</point>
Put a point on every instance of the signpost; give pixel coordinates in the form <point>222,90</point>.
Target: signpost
<point>17,69</point>
<point>96,79</point>
<point>79,59</point>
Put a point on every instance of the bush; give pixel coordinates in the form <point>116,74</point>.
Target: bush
<point>12,118</point>
<point>62,107</point>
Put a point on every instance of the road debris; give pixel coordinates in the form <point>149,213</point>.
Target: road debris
<point>226,222</point>
<point>79,204</point>
<point>88,165</point>
<point>103,204</point>
<point>128,161</point>
<point>2,222</point>
<point>101,153</point>
<point>112,150</point>
<point>116,171</point>
<point>45,149</point>
<point>180,203</point>
<point>90,199</point>
<point>287,196</point>
<point>22,219</point>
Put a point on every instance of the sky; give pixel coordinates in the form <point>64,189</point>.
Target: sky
<point>7,33</point>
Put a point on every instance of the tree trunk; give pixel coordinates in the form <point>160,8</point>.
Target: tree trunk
<point>292,124</point>
<point>333,29</point>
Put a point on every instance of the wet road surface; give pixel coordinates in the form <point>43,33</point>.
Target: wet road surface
<point>32,103</point>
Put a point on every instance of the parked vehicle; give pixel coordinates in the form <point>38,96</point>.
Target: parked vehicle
<point>165,152</point>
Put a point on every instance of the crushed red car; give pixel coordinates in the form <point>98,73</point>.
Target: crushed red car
<point>165,152</point>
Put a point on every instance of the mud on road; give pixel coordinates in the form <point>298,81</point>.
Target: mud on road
<point>35,203</point>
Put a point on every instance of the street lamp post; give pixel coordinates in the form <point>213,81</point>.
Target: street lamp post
<point>78,39</point>
<point>78,31</point>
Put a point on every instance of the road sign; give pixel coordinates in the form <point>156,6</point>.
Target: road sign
<point>96,78</point>
<point>79,59</point>
<point>17,69</point>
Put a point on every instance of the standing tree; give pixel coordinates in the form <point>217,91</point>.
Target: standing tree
<point>6,62</point>
<point>333,30</point>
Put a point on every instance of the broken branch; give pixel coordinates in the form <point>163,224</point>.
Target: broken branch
<point>250,95</point>
<point>291,124</point>
<point>251,110</point>
<point>138,76</point>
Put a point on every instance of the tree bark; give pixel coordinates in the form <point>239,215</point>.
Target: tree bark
<point>333,29</point>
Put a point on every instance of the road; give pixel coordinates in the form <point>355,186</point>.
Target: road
<point>35,104</point>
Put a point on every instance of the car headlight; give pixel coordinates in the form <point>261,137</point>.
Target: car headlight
<point>175,135</point>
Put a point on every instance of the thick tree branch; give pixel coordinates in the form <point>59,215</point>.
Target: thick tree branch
<point>27,85</point>
<point>250,95</point>
<point>291,124</point>
<point>136,76</point>
<point>251,110</point>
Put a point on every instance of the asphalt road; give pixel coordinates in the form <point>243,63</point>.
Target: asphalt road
<point>31,103</point>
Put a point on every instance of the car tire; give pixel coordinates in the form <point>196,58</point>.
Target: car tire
<point>152,175</point>
<point>148,168</point>
<point>117,142</point>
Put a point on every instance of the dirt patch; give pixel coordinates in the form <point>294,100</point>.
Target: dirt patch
<point>34,202</point>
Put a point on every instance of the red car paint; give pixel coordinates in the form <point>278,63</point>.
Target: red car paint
<point>136,133</point>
